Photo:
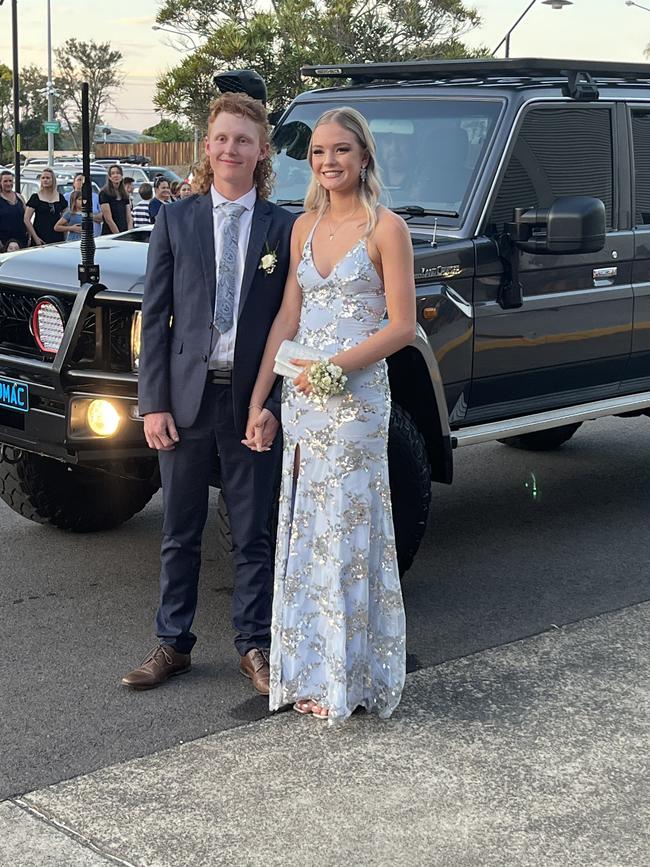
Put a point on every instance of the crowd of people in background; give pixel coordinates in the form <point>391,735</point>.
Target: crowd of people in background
<point>49,216</point>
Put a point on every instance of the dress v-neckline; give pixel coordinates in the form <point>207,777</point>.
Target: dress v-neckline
<point>338,262</point>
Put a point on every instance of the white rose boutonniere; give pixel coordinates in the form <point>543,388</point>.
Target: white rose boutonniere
<point>268,261</point>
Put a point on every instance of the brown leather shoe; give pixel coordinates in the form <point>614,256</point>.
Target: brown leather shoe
<point>162,663</point>
<point>255,665</point>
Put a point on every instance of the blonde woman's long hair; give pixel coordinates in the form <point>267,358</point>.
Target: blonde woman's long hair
<point>47,171</point>
<point>317,198</point>
<point>241,105</point>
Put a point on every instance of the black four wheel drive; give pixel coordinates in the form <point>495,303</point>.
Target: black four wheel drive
<point>526,187</point>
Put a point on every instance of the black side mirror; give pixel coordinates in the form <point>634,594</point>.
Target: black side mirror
<point>573,224</point>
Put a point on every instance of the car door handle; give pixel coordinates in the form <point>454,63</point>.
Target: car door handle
<point>605,276</point>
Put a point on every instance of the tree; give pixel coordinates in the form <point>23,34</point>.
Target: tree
<point>187,90</point>
<point>294,33</point>
<point>33,107</point>
<point>169,130</point>
<point>99,65</point>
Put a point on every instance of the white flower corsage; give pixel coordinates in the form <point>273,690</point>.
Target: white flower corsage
<point>326,380</point>
<point>268,261</point>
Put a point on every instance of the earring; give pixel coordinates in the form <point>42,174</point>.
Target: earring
<point>362,174</point>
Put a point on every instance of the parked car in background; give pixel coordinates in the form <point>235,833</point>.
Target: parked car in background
<point>65,172</point>
<point>152,173</point>
<point>132,159</point>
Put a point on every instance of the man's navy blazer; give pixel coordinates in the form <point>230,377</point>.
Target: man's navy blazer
<point>178,308</point>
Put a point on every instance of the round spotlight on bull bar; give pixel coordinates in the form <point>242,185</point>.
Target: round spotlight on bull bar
<point>103,419</point>
<point>48,324</point>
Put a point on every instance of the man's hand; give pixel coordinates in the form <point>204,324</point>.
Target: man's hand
<point>261,429</point>
<point>160,431</point>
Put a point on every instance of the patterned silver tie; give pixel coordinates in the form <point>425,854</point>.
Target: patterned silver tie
<point>227,279</point>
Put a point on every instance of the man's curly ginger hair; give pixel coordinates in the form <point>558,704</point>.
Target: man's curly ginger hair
<point>242,105</point>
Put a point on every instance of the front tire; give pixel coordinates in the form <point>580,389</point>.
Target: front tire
<point>410,485</point>
<point>69,497</point>
<point>542,440</point>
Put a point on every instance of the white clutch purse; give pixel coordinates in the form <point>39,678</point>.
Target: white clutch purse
<point>291,349</point>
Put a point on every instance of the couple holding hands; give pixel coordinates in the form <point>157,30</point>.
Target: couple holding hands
<point>323,629</point>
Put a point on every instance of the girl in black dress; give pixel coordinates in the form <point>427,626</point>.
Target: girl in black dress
<point>115,203</point>
<point>45,206</point>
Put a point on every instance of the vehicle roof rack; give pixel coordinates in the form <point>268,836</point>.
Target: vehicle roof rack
<point>579,74</point>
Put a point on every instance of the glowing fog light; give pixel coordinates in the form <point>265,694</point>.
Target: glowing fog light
<point>47,325</point>
<point>103,419</point>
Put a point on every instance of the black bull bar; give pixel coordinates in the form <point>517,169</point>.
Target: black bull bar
<point>53,384</point>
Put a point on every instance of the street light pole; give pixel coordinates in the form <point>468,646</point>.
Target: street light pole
<point>50,88</point>
<point>638,5</point>
<point>554,4</point>
<point>14,38</point>
<point>506,38</point>
<point>16,88</point>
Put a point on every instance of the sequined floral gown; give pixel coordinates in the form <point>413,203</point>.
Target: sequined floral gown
<point>338,632</point>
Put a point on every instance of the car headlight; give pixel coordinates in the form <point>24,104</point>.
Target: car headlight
<point>103,418</point>
<point>47,325</point>
<point>94,417</point>
<point>136,329</point>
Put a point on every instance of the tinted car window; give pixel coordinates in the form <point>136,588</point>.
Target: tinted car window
<point>641,139</point>
<point>428,150</point>
<point>557,152</point>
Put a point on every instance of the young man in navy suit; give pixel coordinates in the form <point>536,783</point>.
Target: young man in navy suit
<point>208,306</point>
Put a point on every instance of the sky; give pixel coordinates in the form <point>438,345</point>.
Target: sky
<point>588,29</point>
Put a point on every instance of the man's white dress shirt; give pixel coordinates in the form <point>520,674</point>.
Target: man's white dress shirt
<point>223,350</point>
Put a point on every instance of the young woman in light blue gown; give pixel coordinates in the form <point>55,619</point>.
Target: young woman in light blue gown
<point>338,632</point>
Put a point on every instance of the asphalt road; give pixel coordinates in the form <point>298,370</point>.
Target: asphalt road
<point>521,543</point>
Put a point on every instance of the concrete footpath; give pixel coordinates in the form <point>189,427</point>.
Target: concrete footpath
<point>534,753</point>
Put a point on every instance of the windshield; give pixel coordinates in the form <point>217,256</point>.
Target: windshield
<point>428,150</point>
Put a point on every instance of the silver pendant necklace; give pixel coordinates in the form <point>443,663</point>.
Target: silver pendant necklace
<point>333,232</point>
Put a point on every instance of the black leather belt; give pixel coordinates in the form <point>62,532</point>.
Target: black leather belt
<point>220,377</point>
